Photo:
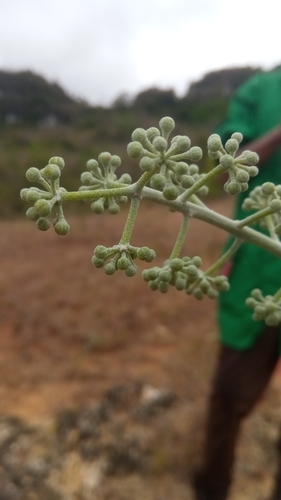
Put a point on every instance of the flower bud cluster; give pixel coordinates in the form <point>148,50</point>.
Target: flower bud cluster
<point>239,168</point>
<point>121,257</point>
<point>266,309</point>
<point>184,274</point>
<point>101,175</point>
<point>47,199</point>
<point>173,175</point>
<point>266,195</point>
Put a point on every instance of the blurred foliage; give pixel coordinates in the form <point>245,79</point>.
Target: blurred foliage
<point>39,120</point>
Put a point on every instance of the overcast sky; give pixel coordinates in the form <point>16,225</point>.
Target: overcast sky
<point>99,49</point>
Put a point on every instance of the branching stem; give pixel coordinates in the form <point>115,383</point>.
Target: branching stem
<point>181,237</point>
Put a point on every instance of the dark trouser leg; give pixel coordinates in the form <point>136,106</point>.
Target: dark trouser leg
<point>240,379</point>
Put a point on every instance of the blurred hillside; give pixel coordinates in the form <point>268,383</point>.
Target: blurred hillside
<point>38,119</point>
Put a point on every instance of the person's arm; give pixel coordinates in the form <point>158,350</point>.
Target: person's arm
<point>265,145</point>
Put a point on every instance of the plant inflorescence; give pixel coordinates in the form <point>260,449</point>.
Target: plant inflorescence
<point>169,175</point>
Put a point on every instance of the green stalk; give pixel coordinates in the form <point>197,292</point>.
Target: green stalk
<point>130,222</point>
<point>253,218</point>
<point>203,181</point>
<point>181,237</point>
<point>224,258</point>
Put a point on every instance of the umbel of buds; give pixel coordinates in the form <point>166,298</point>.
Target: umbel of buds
<point>239,168</point>
<point>184,274</point>
<point>267,309</point>
<point>121,257</point>
<point>167,162</point>
<point>47,200</point>
<point>266,195</point>
<point>101,176</point>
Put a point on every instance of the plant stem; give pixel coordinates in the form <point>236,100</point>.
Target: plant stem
<point>204,180</point>
<point>224,258</point>
<point>181,237</point>
<point>130,222</point>
<point>251,219</point>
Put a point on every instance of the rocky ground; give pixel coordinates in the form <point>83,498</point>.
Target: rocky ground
<point>104,383</point>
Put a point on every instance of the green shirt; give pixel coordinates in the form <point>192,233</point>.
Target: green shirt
<point>254,110</point>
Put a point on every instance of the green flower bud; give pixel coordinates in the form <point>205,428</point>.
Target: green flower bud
<point>182,143</point>
<point>57,160</point>
<point>278,190</point>
<point>267,188</point>
<point>242,176</point>
<point>232,187</point>
<point>237,136</point>
<point>224,287</point>
<point>61,226</point>
<point>98,206</point>
<point>87,178</point>
<point>32,195</point>
<point>251,302</point>
<point>147,164</point>
<point>43,223</point>
<point>150,274</point>
<point>113,207</point>
<point>163,286</point>
<point>196,261</point>
<point>146,254</point>
<point>226,161</point>
<point>260,309</point>
<point>214,143</point>
<point>151,133</point>
<point>214,155</point>
<point>253,171</point>
<point>104,159</point>
<point>52,172</point>
<point>252,158</point>
<point>187,181</point>
<point>170,192</point>
<point>33,175</point>
<point>32,214</point>
<point>160,144</point>
<point>256,294</point>
<point>198,294</point>
<point>135,149</point>
<point>231,146</point>
<point>272,319</point>
<point>181,168</point>
<point>212,294</point>
<point>92,165</point>
<point>23,194</point>
<point>100,252</point>
<point>176,264</point>
<point>126,179</point>
<point>203,191</point>
<point>195,153</point>
<point>131,271</point>
<point>43,207</point>
<point>158,181</point>
<point>123,263</point>
<point>165,275</point>
<point>204,285</point>
<point>97,262</point>
<point>192,270</point>
<point>139,135</point>
<point>244,186</point>
<point>109,268</point>
<point>193,169</point>
<point>275,205</point>
<point>180,284</point>
<point>115,161</point>
<point>153,285</point>
<point>166,124</point>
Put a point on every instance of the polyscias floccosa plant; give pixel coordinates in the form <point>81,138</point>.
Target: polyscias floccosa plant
<point>169,176</point>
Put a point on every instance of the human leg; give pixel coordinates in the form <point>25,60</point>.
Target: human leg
<point>240,379</point>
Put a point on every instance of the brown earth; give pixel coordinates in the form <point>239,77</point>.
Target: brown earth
<point>69,334</point>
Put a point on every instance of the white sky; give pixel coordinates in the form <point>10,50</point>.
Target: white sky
<point>99,49</point>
